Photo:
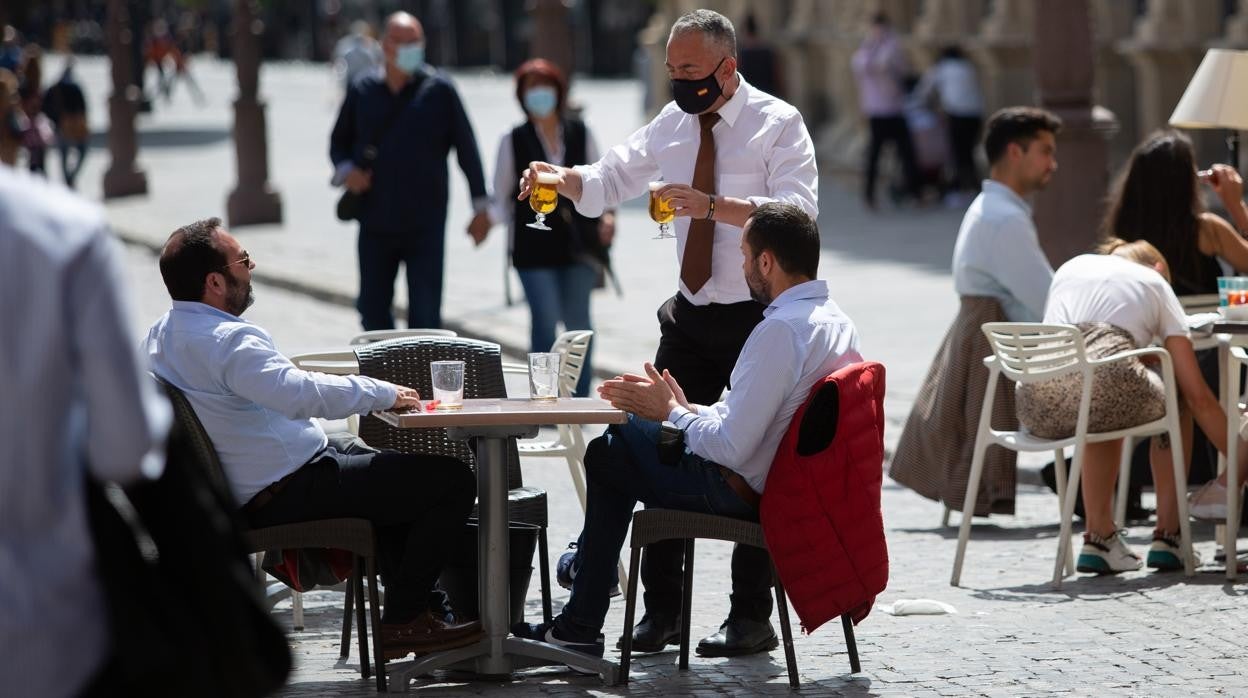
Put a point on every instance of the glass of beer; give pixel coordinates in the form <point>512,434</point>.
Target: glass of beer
<point>661,211</point>
<point>543,198</point>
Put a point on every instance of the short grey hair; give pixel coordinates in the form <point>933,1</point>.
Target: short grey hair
<point>715,28</point>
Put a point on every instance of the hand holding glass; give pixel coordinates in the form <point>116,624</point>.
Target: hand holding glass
<point>448,384</point>
<point>661,211</point>
<point>544,198</point>
<point>544,375</point>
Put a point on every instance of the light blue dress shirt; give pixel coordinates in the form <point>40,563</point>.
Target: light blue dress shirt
<point>803,337</point>
<point>75,398</point>
<point>254,403</point>
<point>998,254</point>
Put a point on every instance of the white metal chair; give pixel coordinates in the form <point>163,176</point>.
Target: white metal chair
<point>1032,352</point>
<point>381,335</point>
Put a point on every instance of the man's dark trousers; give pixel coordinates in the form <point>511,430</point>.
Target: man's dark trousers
<point>699,344</point>
<point>422,256</point>
<point>622,468</point>
<point>418,505</point>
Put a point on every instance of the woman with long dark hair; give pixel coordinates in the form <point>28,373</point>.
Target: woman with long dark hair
<point>1157,199</point>
<point>558,267</point>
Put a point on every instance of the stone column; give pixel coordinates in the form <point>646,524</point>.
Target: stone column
<point>803,71</point>
<point>1168,43</point>
<point>944,23</point>
<point>1003,52</point>
<point>1069,211</point>
<point>124,176</point>
<point>253,200</point>
<point>552,33</point>
<point>1113,21</point>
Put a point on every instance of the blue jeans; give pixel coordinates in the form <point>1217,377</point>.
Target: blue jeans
<point>559,295</point>
<point>622,467</point>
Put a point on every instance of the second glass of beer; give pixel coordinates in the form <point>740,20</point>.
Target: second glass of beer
<point>544,198</point>
<point>661,211</point>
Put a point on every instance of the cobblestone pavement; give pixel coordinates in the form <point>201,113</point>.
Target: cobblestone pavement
<point>1135,634</point>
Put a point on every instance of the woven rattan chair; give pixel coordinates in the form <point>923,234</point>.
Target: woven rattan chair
<point>406,362</point>
<point>354,535</point>
<point>654,525</point>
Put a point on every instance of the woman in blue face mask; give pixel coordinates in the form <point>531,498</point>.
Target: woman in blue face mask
<point>558,268</point>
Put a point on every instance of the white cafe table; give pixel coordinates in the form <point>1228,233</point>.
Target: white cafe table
<point>494,422</point>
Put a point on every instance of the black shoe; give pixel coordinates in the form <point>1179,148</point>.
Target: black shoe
<point>547,633</point>
<point>653,633</point>
<point>738,636</point>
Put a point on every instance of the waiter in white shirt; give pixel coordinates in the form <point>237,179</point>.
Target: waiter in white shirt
<point>723,148</point>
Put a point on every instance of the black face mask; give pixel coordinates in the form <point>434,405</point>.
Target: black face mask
<point>696,96</point>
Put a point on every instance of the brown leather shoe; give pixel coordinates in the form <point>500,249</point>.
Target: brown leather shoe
<point>427,634</point>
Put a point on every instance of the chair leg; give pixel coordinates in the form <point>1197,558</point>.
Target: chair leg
<point>1124,482</point>
<point>1064,543</point>
<point>850,643</point>
<point>543,558</point>
<point>944,519</point>
<point>362,628</point>
<point>968,505</point>
<point>1059,475</point>
<point>374,609</point>
<point>347,605</point>
<point>686,609</point>
<point>296,609</point>
<point>577,471</point>
<point>786,630</point>
<point>630,614</point>
<point>1180,492</point>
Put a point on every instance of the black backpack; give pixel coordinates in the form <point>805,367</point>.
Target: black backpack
<point>185,612</point>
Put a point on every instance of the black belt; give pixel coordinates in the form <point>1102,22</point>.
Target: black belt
<point>739,485</point>
<point>266,495</point>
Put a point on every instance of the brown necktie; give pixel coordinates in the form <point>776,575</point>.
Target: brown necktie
<point>695,266</point>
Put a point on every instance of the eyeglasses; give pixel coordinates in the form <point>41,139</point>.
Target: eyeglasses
<point>245,260</point>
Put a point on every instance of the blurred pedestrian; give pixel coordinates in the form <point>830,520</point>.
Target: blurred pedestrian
<point>955,82</point>
<point>760,64</point>
<point>10,49</point>
<point>75,402</point>
<point>389,147</point>
<point>879,66</point>
<point>357,53</point>
<point>931,143</point>
<point>560,267</point>
<point>66,106</point>
<point>1000,273</point>
<point>12,120</point>
<point>39,134</point>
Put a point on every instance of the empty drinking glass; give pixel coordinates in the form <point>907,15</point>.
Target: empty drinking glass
<point>544,375</point>
<point>448,384</point>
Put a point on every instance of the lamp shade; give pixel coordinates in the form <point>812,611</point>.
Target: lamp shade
<point>1217,96</point>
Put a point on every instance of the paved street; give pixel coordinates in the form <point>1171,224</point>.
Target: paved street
<point>1135,634</point>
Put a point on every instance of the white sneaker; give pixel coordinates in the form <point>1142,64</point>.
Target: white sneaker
<point>1107,555</point>
<point>1209,502</point>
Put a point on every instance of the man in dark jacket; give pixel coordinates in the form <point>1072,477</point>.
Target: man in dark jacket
<point>389,145</point>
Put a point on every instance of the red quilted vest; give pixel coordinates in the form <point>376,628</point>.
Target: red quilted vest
<point>821,510</point>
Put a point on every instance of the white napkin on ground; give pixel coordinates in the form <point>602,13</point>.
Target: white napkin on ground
<point>917,607</point>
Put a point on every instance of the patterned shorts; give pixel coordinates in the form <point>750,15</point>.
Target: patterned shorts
<point>1124,393</point>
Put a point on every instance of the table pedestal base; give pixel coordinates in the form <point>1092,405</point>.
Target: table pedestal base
<point>518,654</point>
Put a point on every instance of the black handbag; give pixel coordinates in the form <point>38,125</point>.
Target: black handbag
<point>185,613</point>
<point>351,204</point>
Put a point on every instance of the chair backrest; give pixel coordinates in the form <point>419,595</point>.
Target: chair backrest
<point>382,335</point>
<point>574,345</point>
<point>200,444</point>
<point>1028,352</point>
<point>406,362</point>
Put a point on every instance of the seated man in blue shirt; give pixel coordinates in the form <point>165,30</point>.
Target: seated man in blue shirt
<point>257,408</point>
<point>729,446</point>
